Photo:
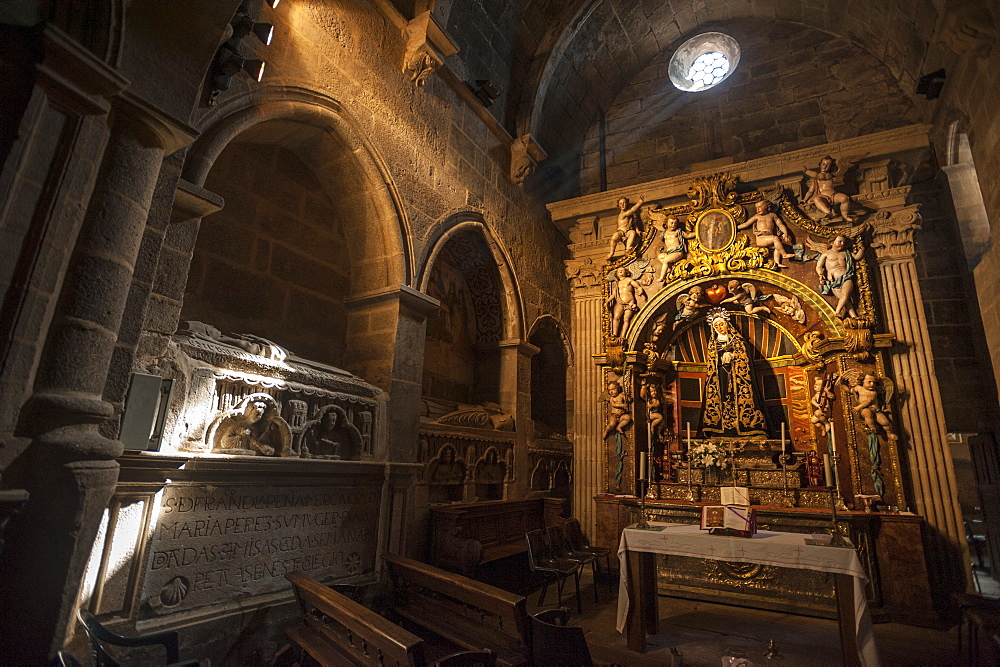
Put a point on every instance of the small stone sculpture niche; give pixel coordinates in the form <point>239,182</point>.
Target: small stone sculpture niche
<point>253,427</point>
<point>330,436</point>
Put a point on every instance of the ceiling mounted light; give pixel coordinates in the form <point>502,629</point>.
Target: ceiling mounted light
<point>704,61</point>
<point>243,25</point>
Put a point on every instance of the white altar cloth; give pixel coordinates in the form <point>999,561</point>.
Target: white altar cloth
<point>767,548</point>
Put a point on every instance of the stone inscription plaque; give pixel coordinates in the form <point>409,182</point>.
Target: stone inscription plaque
<point>216,544</point>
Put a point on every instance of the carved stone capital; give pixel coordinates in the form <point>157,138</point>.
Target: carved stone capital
<point>426,47</point>
<point>525,154</point>
<point>969,28</point>
<point>892,234</point>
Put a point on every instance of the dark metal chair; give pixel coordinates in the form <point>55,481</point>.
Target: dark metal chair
<point>555,643</point>
<point>561,549</point>
<point>578,542</point>
<point>541,560</point>
<point>99,635</point>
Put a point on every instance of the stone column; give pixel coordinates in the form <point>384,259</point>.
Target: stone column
<point>588,449</point>
<point>385,346</point>
<point>934,493</point>
<point>69,467</point>
<point>515,397</point>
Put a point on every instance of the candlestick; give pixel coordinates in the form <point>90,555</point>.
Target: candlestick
<point>690,490</point>
<point>827,471</point>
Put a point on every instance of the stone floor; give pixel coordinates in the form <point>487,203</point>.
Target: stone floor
<point>703,633</point>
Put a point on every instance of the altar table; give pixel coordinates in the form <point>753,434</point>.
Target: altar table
<point>637,553</point>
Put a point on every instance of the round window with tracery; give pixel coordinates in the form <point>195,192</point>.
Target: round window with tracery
<point>704,61</point>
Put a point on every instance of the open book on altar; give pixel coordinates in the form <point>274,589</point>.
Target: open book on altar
<point>729,519</point>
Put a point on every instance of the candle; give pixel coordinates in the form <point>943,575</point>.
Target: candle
<point>833,440</point>
<point>782,437</point>
<point>689,436</point>
<point>827,470</point>
<point>643,458</point>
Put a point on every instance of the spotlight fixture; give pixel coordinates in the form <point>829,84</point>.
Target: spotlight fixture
<point>243,25</point>
<point>930,85</point>
<point>486,92</point>
<point>273,4</point>
<point>231,64</point>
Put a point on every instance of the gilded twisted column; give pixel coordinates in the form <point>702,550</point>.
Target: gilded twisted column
<point>921,415</point>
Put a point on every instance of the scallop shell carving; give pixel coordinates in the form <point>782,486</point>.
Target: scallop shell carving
<point>174,591</point>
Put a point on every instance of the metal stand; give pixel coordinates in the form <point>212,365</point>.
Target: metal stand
<point>836,537</point>
<point>642,523</point>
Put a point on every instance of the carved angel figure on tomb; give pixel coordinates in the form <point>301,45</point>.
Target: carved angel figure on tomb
<point>618,409</point>
<point>770,231</point>
<point>789,305</point>
<point>821,192</point>
<point>746,296</point>
<point>835,267</point>
<point>624,300</point>
<point>674,240</point>
<point>689,304</point>
<point>872,395</point>
<point>253,426</point>
<point>628,229</point>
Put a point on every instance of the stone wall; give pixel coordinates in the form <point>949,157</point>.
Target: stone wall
<point>793,88</point>
<point>274,261</point>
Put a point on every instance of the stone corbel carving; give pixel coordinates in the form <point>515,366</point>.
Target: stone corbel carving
<point>426,47</point>
<point>525,154</point>
<point>969,28</point>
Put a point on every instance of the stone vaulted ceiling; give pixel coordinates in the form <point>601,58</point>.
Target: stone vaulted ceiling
<point>569,60</point>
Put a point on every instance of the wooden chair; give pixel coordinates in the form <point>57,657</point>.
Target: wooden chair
<point>541,560</point>
<point>578,542</point>
<point>561,549</point>
<point>99,635</point>
<point>555,643</point>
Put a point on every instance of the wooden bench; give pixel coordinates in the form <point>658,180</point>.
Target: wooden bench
<point>468,613</point>
<point>467,534</point>
<point>338,631</point>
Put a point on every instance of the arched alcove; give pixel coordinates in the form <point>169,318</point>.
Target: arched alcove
<point>278,261</point>
<point>548,379</point>
<point>461,350</point>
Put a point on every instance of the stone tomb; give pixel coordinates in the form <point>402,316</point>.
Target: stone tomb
<point>271,464</point>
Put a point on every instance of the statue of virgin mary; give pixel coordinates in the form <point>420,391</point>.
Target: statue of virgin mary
<point>731,407</point>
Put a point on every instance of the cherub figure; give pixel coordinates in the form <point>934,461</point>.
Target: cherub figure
<point>628,231</point>
<point>747,297</point>
<point>835,268</point>
<point>872,395</point>
<point>789,305</point>
<point>618,414</point>
<point>624,300</point>
<point>821,192</point>
<point>822,402</point>
<point>650,392</point>
<point>674,241</point>
<point>689,304</point>
<point>659,330</point>
<point>769,231</point>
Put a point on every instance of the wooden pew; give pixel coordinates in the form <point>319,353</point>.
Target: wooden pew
<point>468,613</point>
<point>338,631</point>
<point>463,535</point>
